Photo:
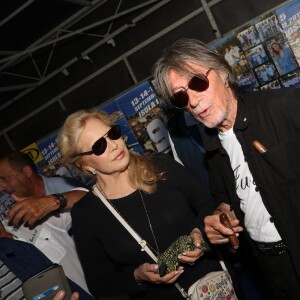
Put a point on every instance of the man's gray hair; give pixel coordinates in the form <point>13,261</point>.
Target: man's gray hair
<point>178,56</point>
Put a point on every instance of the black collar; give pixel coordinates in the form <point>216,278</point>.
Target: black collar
<point>241,121</point>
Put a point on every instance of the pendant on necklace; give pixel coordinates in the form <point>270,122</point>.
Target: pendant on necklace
<point>143,244</point>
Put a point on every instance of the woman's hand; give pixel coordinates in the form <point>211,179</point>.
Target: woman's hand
<point>191,256</point>
<point>149,272</point>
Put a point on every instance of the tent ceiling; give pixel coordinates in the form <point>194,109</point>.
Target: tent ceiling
<point>35,29</point>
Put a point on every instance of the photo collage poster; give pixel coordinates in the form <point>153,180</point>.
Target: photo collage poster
<point>265,53</point>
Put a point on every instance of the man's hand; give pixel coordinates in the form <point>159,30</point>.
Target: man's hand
<point>215,231</point>
<point>30,210</point>
<point>61,296</point>
<point>33,209</point>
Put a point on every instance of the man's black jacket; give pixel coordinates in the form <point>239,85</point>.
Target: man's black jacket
<point>273,118</point>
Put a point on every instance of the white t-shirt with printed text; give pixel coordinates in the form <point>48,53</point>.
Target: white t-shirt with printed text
<point>257,218</point>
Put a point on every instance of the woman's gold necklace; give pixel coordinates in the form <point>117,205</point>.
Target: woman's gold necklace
<point>150,225</point>
<point>147,215</point>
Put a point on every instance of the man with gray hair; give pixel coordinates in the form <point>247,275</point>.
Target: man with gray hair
<point>252,144</point>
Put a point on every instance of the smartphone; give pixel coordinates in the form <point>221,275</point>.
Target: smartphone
<point>46,284</point>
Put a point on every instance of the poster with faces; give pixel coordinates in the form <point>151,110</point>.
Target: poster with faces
<point>270,47</point>
<point>146,118</point>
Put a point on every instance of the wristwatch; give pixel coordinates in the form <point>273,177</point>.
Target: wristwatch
<point>61,200</point>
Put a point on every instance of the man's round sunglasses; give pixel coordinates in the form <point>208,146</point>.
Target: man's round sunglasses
<point>198,83</point>
<point>100,145</point>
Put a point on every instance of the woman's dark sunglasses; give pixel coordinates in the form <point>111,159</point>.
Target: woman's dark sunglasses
<point>100,145</point>
<point>198,83</point>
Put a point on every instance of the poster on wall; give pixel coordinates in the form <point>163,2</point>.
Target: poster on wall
<point>268,54</point>
<point>146,118</point>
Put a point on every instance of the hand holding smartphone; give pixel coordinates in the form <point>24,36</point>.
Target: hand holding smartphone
<point>46,284</point>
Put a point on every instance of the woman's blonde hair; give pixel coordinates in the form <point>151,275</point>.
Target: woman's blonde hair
<point>142,172</point>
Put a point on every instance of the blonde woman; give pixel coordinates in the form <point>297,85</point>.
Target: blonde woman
<point>157,197</point>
